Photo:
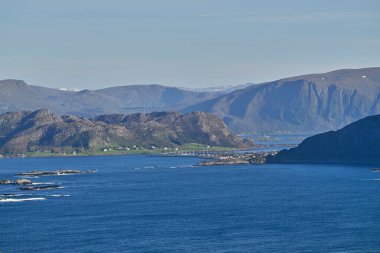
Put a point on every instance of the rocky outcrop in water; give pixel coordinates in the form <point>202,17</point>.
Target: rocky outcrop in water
<point>238,158</point>
<point>28,185</point>
<point>20,181</point>
<point>5,182</point>
<point>40,188</point>
<point>53,173</point>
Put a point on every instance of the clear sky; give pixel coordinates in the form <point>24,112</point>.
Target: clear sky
<point>192,43</point>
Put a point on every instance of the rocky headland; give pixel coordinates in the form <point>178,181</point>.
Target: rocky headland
<point>358,142</point>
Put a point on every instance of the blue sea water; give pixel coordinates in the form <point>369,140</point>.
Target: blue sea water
<point>275,141</point>
<point>163,204</point>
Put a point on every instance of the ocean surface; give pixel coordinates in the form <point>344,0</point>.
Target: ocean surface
<point>165,204</point>
<point>275,141</point>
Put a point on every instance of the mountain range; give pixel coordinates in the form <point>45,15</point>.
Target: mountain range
<point>27,131</point>
<point>359,142</point>
<point>16,95</point>
<point>307,103</point>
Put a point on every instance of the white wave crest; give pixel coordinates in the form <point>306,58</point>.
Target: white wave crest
<point>20,200</point>
<point>59,195</point>
<point>42,183</point>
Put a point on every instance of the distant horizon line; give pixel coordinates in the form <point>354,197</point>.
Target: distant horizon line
<point>185,87</point>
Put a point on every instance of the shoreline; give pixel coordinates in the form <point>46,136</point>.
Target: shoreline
<point>210,161</point>
<point>218,158</point>
<point>161,153</point>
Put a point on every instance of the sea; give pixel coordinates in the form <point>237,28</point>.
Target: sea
<point>141,203</point>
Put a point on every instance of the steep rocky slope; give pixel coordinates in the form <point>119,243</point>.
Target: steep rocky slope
<point>358,142</point>
<point>317,102</point>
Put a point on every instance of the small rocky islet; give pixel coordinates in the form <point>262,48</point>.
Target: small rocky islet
<point>29,185</point>
<point>21,181</point>
<point>38,173</point>
<point>39,188</point>
<point>236,158</point>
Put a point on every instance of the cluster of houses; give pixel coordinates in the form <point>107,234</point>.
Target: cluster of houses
<point>135,147</point>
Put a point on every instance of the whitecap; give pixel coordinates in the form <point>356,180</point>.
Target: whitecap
<point>42,183</point>
<point>59,195</point>
<point>20,200</point>
<point>186,166</point>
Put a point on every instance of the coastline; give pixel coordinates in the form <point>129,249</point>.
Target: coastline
<point>190,150</point>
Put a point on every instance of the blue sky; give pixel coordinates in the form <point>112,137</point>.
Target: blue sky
<point>192,43</point>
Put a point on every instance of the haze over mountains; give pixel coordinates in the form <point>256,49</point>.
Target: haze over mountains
<point>16,95</point>
<point>308,103</point>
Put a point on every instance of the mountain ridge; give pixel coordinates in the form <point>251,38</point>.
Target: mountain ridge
<point>26,131</point>
<point>315,102</point>
<point>16,95</point>
<point>304,103</point>
<point>357,142</point>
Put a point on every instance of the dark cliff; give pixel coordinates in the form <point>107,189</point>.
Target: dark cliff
<point>358,142</point>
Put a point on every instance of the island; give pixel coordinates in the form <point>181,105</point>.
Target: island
<point>37,133</point>
<point>236,158</point>
<point>39,188</point>
<point>54,173</point>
